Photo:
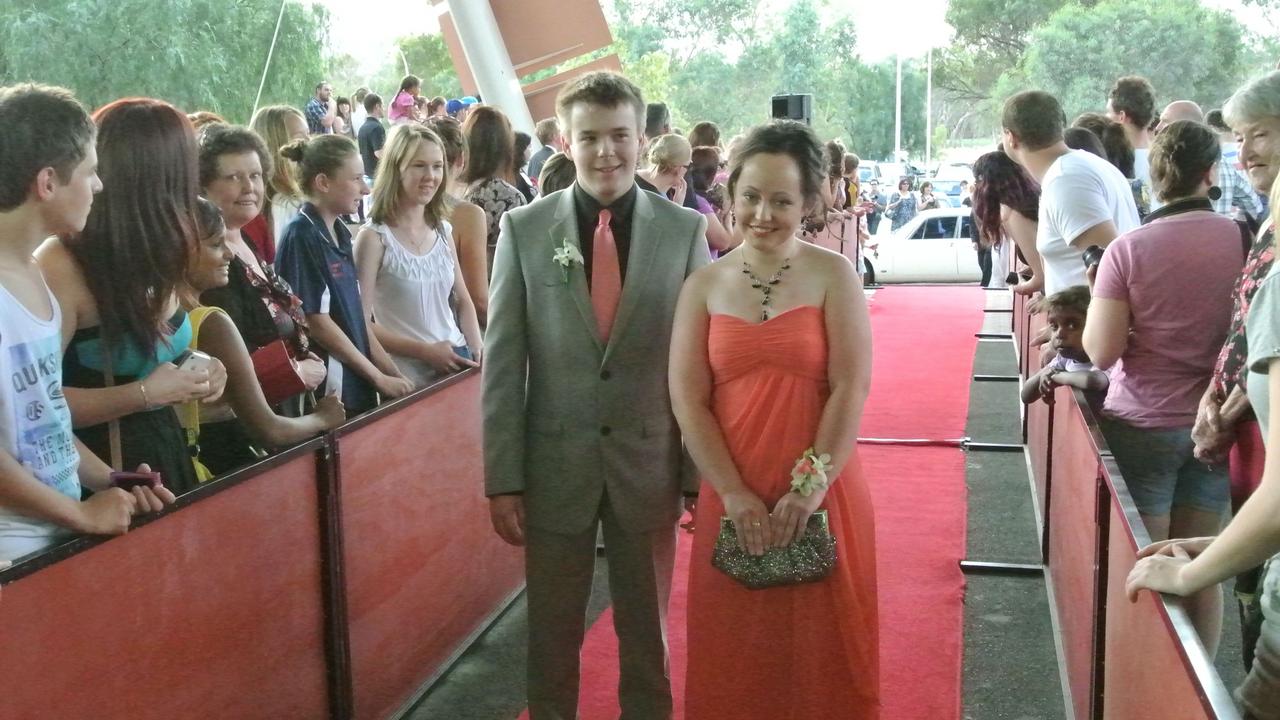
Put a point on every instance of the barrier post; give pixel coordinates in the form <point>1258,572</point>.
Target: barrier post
<point>1120,660</point>
<point>334,583</point>
<point>1102,513</point>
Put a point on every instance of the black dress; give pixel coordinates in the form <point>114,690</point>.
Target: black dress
<point>154,437</point>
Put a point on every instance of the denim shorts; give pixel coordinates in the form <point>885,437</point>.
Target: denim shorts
<point>1161,471</point>
<point>462,351</point>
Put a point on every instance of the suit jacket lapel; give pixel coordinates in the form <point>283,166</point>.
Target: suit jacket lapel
<point>564,228</point>
<point>644,246</point>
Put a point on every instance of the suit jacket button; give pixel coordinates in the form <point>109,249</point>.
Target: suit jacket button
<point>605,375</point>
<point>605,430</point>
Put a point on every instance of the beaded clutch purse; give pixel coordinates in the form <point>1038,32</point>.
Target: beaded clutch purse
<point>808,559</point>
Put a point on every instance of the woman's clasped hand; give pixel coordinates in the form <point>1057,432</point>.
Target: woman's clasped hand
<point>759,529</point>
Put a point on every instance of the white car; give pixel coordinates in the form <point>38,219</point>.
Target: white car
<point>946,181</point>
<point>934,246</point>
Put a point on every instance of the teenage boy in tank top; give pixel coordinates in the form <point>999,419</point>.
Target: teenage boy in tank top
<point>47,183</point>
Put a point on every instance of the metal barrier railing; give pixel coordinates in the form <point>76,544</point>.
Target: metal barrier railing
<point>338,578</point>
<point>335,580</point>
<point>1121,660</point>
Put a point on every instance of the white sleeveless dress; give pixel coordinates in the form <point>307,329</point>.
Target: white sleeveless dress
<point>413,294</point>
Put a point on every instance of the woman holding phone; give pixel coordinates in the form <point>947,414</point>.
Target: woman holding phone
<point>117,282</point>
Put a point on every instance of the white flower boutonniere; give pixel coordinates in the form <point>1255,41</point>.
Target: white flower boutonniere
<point>566,255</point>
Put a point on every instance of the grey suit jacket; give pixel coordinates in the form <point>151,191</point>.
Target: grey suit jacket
<point>565,416</point>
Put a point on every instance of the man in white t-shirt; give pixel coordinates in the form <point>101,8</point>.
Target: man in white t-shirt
<point>1132,103</point>
<point>1084,200</point>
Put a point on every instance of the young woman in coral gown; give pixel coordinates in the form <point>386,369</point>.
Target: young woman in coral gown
<point>757,379</point>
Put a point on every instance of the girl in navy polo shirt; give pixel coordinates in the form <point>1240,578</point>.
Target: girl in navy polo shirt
<point>315,257</point>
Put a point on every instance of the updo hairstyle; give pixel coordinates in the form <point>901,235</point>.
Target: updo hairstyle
<point>319,155</point>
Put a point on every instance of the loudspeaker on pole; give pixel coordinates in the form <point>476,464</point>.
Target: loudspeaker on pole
<point>793,107</point>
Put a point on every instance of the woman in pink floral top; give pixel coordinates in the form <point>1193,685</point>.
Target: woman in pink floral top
<point>1226,429</point>
<point>1225,425</point>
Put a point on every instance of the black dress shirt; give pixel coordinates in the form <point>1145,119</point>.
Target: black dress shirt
<point>588,210</point>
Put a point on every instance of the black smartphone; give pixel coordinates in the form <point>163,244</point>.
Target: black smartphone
<point>1092,255</point>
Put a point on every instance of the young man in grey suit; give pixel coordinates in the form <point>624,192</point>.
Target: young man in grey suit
<point>578,429</point>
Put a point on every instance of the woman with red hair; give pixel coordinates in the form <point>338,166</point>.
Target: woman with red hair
<point>1006,206</point>
<point>117,282</point>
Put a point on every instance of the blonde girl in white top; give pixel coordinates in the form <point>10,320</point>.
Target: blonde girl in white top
<point>406,261</point>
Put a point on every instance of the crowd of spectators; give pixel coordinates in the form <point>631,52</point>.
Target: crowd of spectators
<point>212,304</point>
<point>1145,241</point>
<point>225,299</point>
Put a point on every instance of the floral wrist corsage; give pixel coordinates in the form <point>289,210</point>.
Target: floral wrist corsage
<point>810,472</point>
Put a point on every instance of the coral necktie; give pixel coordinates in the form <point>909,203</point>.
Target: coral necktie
<point>606,275</point>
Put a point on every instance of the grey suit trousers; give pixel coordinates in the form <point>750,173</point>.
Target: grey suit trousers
<point>559,568</point>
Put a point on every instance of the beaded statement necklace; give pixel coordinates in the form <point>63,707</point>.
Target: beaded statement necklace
<point>765,286</point>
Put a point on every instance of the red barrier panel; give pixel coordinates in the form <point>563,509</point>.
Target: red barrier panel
<point>838,237</point>
<point>234,604</point>
<point>1020,330</point>
<point>424,568</point>
<point>212,612</point>
<point>1039,422</point>
<point>1021,336</point>
<point>1073,543</point>
<point>1122,661</point>
<point>1035,325</point>
<point>1148,673</point>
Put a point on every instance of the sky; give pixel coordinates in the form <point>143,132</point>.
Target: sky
<point>362,28</point>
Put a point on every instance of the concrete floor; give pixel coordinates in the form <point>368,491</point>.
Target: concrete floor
<point>1010,664</point>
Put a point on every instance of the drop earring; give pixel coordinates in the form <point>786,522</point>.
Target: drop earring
<point>1215,193</point>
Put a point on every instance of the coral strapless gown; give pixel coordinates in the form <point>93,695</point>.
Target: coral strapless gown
<point>802,652</point>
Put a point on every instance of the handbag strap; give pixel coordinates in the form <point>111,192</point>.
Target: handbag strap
<point>189,412</point>
<point>113,425</point>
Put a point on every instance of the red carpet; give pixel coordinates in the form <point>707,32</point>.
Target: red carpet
<point>924,348</point>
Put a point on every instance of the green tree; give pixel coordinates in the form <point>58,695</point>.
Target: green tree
<point>803,48</point>
<point>734,96</point>
<point>345,74</point>
<point>425,56</point>
<point>689,23</point>
<point>859,107</point>
<point>1186,50</point>
<point>991,38</point>
<point>809,51</point>
<point>651,72</point>
<point>197,54</point>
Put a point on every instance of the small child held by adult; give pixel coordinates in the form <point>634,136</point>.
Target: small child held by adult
<point>1070,365</point>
